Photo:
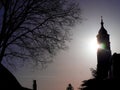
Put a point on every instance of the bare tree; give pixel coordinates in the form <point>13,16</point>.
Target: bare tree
<point>35,29</point>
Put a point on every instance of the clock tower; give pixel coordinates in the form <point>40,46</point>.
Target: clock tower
<point>103,52</point>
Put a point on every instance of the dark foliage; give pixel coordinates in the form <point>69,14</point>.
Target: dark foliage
<point>97,84</point>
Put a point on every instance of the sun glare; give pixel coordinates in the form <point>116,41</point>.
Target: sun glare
<point>93,45</point>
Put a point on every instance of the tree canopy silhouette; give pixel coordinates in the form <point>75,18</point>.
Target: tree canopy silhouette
<point>35,29</point>
<point>96,83</point>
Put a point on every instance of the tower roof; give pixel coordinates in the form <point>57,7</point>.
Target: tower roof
<point>102,29</point>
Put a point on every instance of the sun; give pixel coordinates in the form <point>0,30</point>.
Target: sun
<point>93,45</point>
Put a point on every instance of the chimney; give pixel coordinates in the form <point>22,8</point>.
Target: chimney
<point>34,85</point>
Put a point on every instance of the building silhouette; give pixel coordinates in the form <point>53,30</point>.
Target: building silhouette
<point>115,67</point>
<point>103,52</point>
<point>107,74</point>
<point>9,82</point>
<point>108,65</point>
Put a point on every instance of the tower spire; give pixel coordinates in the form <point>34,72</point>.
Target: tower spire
<point>102,21</point>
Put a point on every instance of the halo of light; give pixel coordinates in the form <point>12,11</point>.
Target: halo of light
<point>93,45</point>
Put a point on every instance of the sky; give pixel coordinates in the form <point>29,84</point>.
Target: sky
<point>73,65</point>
